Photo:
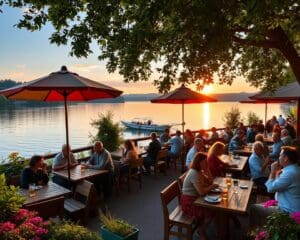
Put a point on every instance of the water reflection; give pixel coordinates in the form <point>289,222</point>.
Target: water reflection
<point>41,130</point>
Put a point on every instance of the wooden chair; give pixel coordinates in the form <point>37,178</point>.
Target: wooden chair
<point>180,181</point>
<point>175,219</point>
<point>131,175</point>
<point>161,161</point>
<point>49,208</point>
<point>79,206</point>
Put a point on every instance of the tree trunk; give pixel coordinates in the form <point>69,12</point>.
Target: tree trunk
<point>287,49</point>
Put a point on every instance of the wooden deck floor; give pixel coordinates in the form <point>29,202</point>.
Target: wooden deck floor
<point>142,208</point>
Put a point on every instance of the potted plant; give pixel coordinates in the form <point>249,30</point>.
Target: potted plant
<point>117,229</point>
<point>279,225</point>
<point>70,231</point>
<point>12,168</point>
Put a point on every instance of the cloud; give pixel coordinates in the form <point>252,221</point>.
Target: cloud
<point>87,68</point>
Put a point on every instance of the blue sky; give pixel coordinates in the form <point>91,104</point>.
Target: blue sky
<point>25,56</point>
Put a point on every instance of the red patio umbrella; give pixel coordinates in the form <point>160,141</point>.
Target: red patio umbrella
<point>265,101</point>
<point>290,92</point>
<point>183,95</point>
<point>61,86</point>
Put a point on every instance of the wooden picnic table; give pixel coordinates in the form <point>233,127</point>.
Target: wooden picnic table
<point>240,161</point>
<point>47,192</point>
<point>78,174</point>
<point>236,204</point>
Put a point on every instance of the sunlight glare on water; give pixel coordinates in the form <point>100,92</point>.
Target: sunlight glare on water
<point>41,130</point>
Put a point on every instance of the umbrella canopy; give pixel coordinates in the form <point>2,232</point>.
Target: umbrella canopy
<point>265,101</point>
<point>289,92</point>
<point>61,86</point>
<point>183,95</point>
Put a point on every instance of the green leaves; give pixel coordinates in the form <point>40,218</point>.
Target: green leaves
<point>10,200</point>
<point>190,41</point>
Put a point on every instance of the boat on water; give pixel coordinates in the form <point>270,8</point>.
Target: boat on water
<point>145,124</point>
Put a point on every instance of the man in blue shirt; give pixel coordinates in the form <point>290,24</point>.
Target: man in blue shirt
<point>60,162</point>
<point>258,166</point>
<point>237,141</point>
<point>284,181</point>
<point>198,146</point>
<point>276,147</point>
<point>176,144</point>
<point>101,160</point>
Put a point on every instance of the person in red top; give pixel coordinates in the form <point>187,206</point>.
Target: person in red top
<point>216,165</point>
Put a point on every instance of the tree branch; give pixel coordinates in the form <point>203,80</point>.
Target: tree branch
<point>255,43</point>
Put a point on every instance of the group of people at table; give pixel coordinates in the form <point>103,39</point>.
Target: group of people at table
<point>276,170</point>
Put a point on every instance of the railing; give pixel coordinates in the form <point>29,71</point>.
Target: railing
<point>90,148</point>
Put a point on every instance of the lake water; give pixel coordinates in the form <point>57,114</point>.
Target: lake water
<point>41,130</point>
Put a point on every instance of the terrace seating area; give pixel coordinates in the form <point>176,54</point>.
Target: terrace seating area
<point>152,203</point>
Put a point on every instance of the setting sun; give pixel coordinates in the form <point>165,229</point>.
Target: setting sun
<point>207,89</point>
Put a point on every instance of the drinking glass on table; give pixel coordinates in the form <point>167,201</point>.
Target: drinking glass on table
<point>32,189</point>
<point>228,179</point>
<point>230,155</point>
<point>225,194</point>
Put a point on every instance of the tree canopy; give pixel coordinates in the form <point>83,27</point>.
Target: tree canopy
<point>185,40</point>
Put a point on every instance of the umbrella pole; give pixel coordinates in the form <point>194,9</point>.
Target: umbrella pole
<point>183,123</point>
<point>266,115</point>
<point>67,134</point>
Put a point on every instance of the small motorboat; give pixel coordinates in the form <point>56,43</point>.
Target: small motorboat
<point>145,124</point>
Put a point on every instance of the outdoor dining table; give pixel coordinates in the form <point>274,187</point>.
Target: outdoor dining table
<point>238,198</point>
<point>46,192</point>
<point>269,140</point>
<point>245,151</point>
<point>78,174</point>
<point>240,161</point>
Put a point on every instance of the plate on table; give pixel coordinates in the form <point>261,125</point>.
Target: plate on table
<point>212,198</point>
<point>216,190</point>
<point>244,186</point>
<point>38,187</point>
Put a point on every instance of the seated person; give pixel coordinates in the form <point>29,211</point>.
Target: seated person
<point>188,139</point>
<point>258,165</point>
<point>237,142</point>
<point>228,134</point>
<point>216,166</point>
<point>250,134</point>
<point>198,147</point>
<point>260,127</point>
<point>260,137</point>
<point>276,147</point>
<point>152,151</point>
<point>60,162</point>
<point>165,137</point>
<point>176,145</point>
<point>214,136</point>
<point>286,138</point>
<point>101,160</point>
<point>130,155</point>
<point>284,181</point>
<point>36,173</point>
<point>198,182</point>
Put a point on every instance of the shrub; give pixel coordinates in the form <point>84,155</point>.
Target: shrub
<point>280,225</point>
<point>108,132</point>
<point>10,200</point>
<point>232,117</point>
<point>13,165</point>
<point>24,225</point>
<point>116,225</point>
<point>71,231</point>
<point>252,118</point>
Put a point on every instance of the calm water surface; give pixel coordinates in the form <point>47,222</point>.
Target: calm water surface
<point>42,130</point>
